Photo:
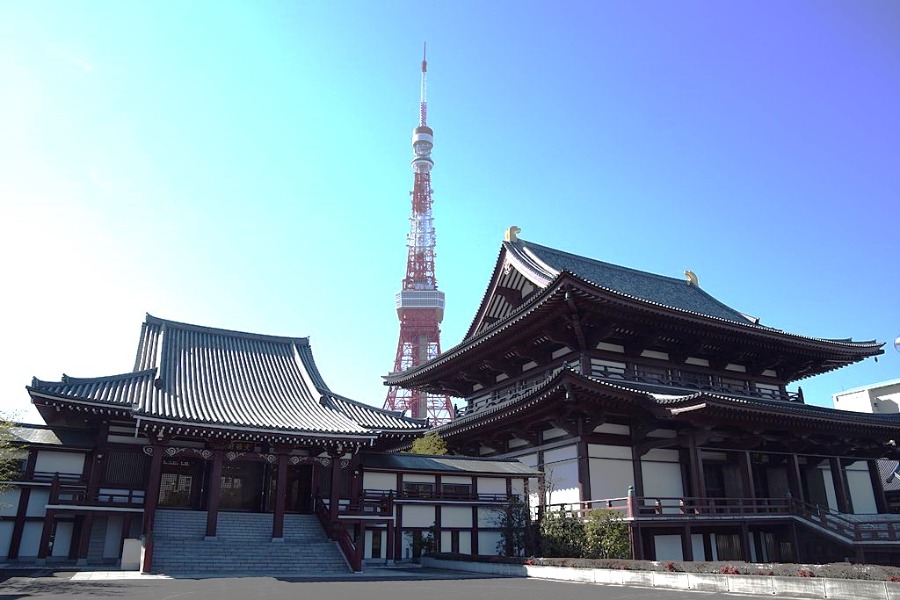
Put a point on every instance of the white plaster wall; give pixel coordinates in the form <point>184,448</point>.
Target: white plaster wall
<point>613,428</point>
<point>829,487</point>
<point>610,478</point>
<point>518,487</point>
<point>487,542</point>
<point>553,432</point>
<point>465,542</point>
<point>530,460</point>
<point>113,535</point>
<point>380,481</point>
<point>668,547</point>
<point>662,474</point>
<point>415,515</point>
<point>488,516</point>
<point>455,479</point>
<point>48,461</point>
<point>562,481</point>
<point>857,401</point>
<point>861,493</point>
<point>446,541</point>
<point>9,502</point>
<point>62,541</point>
<point>6,528</point>
<point>456,516</point>
<point>697,546</point>
<point>31,539</point>
<point>37,502</point>
<point>418,478</point>
<point>491,485</point>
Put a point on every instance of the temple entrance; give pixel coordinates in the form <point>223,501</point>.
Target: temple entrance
<point>241,486</point>
<point>298,490</point>
<point>181,483</point>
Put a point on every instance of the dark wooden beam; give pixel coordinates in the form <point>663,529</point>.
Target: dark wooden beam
<point>512,296</point>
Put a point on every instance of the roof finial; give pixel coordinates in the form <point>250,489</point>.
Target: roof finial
<point>692,279</point>
<point>511,234</point>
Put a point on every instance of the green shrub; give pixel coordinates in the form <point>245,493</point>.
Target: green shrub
<point>605,535</point>
<point>562,534</point>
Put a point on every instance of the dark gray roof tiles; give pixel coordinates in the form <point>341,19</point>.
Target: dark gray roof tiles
<point>119,390</point>
<point>203,376</point>
<point>546,263</point>
<point>447,464</point>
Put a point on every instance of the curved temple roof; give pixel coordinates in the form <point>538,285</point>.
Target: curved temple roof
<point>193,375</point>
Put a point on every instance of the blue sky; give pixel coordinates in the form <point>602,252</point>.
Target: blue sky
<point>245,165</point>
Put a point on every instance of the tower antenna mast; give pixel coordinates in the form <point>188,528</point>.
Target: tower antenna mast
<point>420,305</point>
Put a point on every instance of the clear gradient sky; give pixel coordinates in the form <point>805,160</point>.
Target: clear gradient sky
<point>245,165</point>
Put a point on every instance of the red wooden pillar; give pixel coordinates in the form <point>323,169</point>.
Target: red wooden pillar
<point>390,556</point>
<point>49,524</point>
<point>747,476</point>
<point>877,487</point>
<point>151,499</point>
<point>280,498</point>
<point>215,494</point>
<point>795,480</point>
<point>698,485</point>
<point>687,544</point>
<point>335,499</point>
<point>22,509</point>
<point>840,485</point>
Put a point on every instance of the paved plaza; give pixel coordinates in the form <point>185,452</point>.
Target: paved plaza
<point>400,585</point>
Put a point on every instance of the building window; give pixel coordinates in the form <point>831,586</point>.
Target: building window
<point>462,491</point>
<point>415,489</point>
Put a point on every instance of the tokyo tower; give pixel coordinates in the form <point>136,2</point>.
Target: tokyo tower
<point>420,306</point>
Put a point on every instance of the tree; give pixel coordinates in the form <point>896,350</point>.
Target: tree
<point>10,454</point>
<point>606,535</point>
<point>514,522</point>
<point>430,443</point>
<point>562,534</point>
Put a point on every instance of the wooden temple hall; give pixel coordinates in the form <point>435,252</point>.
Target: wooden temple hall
<point>645,394</point>
<point>226,451</point>
<point>585,385</point>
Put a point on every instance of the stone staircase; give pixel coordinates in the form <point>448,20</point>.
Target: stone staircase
<point>243,545</point>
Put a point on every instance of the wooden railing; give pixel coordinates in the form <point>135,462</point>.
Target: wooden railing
<point>434,495</point>
<point>336,532</point>
<point>851,528</point>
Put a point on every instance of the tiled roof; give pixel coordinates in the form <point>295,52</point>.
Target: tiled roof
<point>546,263</point>
<point>193,375</point>
<point>41,435</point>
<point>673,404</point>
<point>462,464</point>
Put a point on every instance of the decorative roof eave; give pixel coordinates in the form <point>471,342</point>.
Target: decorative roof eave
<point>687,408</point>
<point>77,404</point>
<point>561,284</point>
<point>563,382</point>
<point>233,432</point>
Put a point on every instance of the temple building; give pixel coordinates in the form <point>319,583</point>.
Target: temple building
<point>226,451</point>
<point>645,394</point>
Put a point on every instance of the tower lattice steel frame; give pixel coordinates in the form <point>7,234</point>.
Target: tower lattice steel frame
<point>420,305</point>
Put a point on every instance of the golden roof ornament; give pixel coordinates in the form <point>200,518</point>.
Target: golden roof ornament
<point>511,234</point>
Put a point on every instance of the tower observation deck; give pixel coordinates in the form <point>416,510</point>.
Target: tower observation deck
<point>420,305</point>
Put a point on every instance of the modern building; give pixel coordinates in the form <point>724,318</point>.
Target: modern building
<point>646,394</point>
<point>878,398</point>
<point>226,451</point>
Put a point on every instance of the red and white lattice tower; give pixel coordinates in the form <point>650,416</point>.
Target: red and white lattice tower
<point>420,306</point>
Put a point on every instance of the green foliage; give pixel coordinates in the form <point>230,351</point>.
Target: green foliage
<point>516,529</point>
<point>562,534</point>
<point>422,542</point>
<point>430,443</point>
<point>606,535</point>
<point>600,534</point>
<point>10,455</point>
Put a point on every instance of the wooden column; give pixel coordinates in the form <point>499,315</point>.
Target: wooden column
<point>687,544</point>
<point>795,479</point>
<point>390,555</point>
<point>637,470</point>
<point>84,539</point>
<point>840,484</point>
<point>747,475</point>
<point>707,546</point>
<point>49,524</point>
<point>215,493</point>
<point>335,498</point>
<point>280,497</point>
<point>877,487</point>
<point>584,472</point>
<point>698,485</point>
<point>22,509</point>
<point>151,499</point>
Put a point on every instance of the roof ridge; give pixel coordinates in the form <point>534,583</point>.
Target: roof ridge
<point>393,413</point>
<point>69,380</point>
<point>150,319</point>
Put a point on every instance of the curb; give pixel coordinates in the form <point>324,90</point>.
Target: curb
<point>794,587</point>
